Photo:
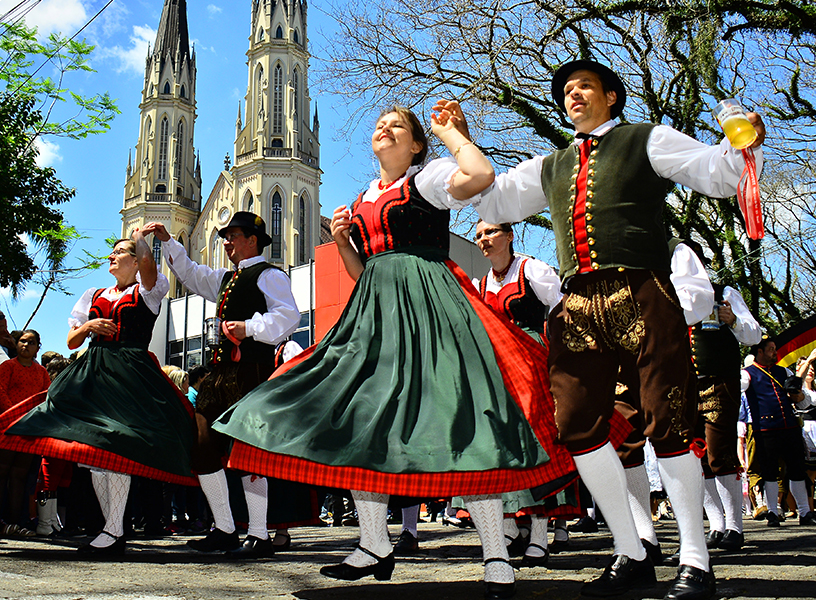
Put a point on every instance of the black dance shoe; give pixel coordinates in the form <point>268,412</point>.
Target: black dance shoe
<point>215,541</point>
<point>407,544</point>
<point>534,561</point>
<point>731,540</point>
<point>516,546</point>
<point>713,538</point>
<point>692,583</point>
<point>499,591</point>
<point>654,552</point>
<point>673,560</point>
<point>285,546</point>
<point>808,519</point>
<point>381,570</point>
<point>115,549</point>
<point>584,525</point>
<point>773,519</point>
<point>621,575</point>
<point>253,547</point>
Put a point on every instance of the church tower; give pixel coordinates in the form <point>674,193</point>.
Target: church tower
<point>164,182</point>
<point>276,172</point>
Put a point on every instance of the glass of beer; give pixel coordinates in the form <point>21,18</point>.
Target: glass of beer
<point>734,123</point>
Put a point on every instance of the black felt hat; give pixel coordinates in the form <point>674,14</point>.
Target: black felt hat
<point>249,222</point>
<point>607,75</point>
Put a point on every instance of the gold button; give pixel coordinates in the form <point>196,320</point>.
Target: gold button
<point>572,244</point>
<point>590,183</point>
<point>574,257</point>
<point>589,205</point>
<point>621,269</point>
<point>589,217</point>
<point>569,220</point>
<point>575,176</point>
<point>593,254</point>
<point>591,173</point>
<point>572,187</point>
<point>575,168</point>
<point>591,161</point>
<point>594,141</point>
<point>590,194</point>
<point>595,266</point>
<point>591,241</point>
<point>590,229</point>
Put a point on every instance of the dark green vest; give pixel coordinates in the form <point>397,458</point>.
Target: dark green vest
<point>716,351</point>
<point>625,200</point>
<point>238,299</point>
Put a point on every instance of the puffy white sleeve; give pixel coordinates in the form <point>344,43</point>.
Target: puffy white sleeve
<point>544,280</point>
<point>514,195</point>
<point>79,314</point>
<point>434,180</point>
<point>291,350</point>
<point>710,170</point>
<point>746,329</point>
<point>281,317</point>
<point>200,279</point>
<point>153,297</point>
<point>690,280</point>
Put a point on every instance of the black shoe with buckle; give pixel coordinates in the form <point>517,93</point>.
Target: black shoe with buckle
<point>216,541</point>
<point>407,544</point>
<point>381,569</point>
<point>731,540</point>
<point>713,538</point>
<point>94,552</point>
<point>692,583</point>
<point>253,547</point>
<point>498,591</point>
<point>621,575</point>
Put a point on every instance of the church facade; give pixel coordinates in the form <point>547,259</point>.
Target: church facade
<point>276,168</point>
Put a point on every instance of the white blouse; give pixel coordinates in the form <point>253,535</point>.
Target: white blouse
<point>544,280</point>
<point>152,297</point>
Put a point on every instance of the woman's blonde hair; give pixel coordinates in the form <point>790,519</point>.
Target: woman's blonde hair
<point>175,374</point>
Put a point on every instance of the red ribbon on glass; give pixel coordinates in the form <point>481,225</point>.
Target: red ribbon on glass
<point>236,351</point>
<point>748,197</point>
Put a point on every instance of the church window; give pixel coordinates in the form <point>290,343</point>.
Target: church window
<point>296,85</point>
<point>166,87</point>
<point>259,92</point>
<point>251,205</point>
<point>277,217</point>
<point>216,249</point>
<point>157,250</point>
<point>161,189</point>
<point>183,92</point>
<point>303,233</point>
<point>179,145</point>
<point>277,143</point>
<point>297,41</point>
<point>261,34</point>
<point>279,33</point>
<point>164,135</point>
<point>277,114</point>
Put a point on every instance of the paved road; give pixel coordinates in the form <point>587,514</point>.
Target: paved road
<point>776,563</point>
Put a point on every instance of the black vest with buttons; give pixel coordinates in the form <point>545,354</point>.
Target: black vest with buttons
<point>238,299</point>
<point>625,200</point>
<point>716,351</point>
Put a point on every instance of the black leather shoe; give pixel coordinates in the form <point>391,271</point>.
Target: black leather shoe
<point>808,519</point>
<point>558,546</point>
<point>498,591</point>
<point>407,544</point>
<point>253,547</point>
<point>285,546</point>
<point>216,540</point>
<point>732,540</point>
<point>621,575</point>
<point>115,549</point>
<point>584,525</point>
<point>653,552</point>
<point>381,570</point>
<point>713,538</point>
<point>692,583</point>
<point>673,560</point>
<point>516,546</point>
<point>773,519</point>
<point>534,561</point>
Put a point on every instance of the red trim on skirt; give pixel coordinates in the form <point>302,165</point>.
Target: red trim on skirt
<point>75,451</point>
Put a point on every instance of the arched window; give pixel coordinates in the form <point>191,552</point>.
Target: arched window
<point>279,33</point>
<point>251,205</point>
<point>146,139</point>
<point>179,285</point>
<point>297,41</point>
<point>303,233</point>
<point>216,251</point>
<point>157,251</point>
<point>277,218</point>
<point>183,92</point>
<point>277,98</point>
<point>259,91</point>
<point>166,87</point>
<point>164,134</point>
<point>296,85</point>
<point>260,34</point>
<point>179,158</point>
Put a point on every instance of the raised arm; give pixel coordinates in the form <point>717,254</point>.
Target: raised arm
<point>144,258</point>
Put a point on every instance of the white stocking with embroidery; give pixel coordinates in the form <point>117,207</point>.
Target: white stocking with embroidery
<point>511,530</point>
<point>637,483</point>
<point>99,480</point>
<point>256,492</point>
<point>118,485</point>
<point>487,515</point>
<point>372,512</point>
<point>538,537</point>
<point>214,486</point>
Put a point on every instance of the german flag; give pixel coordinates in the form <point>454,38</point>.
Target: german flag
<point>796,341</point>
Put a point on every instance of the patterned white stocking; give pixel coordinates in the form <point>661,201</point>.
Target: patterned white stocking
<point>560,530</point>
<point>118,485</point>
<point>214,486</point>
<point>730,490</point>
<point>256,493</point>
<point>713,506</point>
<point>410,517</point>
<point>511,530</point>
<point>637,484</point>
<point>99,480</point>
<point>487,515</point>
<point>538,536</point>
<point>372,512</point>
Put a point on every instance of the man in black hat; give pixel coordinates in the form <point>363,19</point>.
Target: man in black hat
<point>606,194</point>
<point>258,311</point>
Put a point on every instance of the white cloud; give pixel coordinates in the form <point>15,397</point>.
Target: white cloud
<point>213,9</point>
<point>53,16</point>
<point>48,152</point>
<point>132,58</point>
<point>28,294</point>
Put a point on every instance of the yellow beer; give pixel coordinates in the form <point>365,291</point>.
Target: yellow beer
<point>735,124</point>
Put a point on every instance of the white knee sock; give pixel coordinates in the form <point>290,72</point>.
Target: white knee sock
<point>730,490</point>
<point>99,480</point>
<point>214,486</point>
<point>683,479</point>
<point>713,506</point>
<point>637,483</point>
<point>560,533</point>
<point>487,515</point>
<point>372,512</point>
<point>511,530</point>
<point>256,494</point>
<point>771,493</point>
<point>118,485</point>
<point>538,536</point>
<point>410,518</point>
<point>799,491</point>
<point>603,475</point>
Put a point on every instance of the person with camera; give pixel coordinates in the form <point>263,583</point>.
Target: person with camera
<point>772,391</point>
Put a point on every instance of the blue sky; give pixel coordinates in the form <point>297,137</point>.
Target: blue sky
<point>96,166</point>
